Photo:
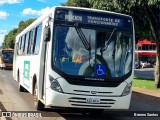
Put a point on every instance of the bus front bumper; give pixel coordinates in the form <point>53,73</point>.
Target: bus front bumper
<point>7,66</point>
<point>56,99</point>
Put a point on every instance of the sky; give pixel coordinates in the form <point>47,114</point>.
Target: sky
<point>14,11</point>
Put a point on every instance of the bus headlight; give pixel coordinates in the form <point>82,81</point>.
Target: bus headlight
<point>55,85</point>
<point>127,89</point>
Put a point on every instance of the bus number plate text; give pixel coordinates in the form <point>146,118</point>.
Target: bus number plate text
<point>92,100</point>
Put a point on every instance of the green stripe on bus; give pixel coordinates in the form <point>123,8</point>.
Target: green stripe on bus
<point>26,73</point>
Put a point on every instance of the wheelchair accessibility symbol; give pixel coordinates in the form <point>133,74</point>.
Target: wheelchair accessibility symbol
<point>101,70</point>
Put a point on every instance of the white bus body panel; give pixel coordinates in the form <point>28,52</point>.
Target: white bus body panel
<point>34,68</point>
<point>57,99</point>
<point>36,61</point>
<point>112,100</point>
<point>62,100</point>
<point>110,97</point>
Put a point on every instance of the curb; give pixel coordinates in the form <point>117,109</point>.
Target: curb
<point>147,96</point>
<point>146,91</point>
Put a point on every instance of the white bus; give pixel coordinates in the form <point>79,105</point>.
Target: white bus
<point>77,58</point>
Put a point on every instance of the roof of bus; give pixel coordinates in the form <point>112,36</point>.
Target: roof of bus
<point>90,9</point>
<point>39,20</point>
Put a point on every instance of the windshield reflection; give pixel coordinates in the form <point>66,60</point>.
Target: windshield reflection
<point>110,55</point>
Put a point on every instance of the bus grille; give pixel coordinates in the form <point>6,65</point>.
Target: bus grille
<point>79,101</point>
<point>95,93</point>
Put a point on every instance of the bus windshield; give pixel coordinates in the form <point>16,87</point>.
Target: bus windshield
<point>110,53</point>
<point>7,56</point>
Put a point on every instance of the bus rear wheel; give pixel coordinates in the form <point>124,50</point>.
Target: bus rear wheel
<point>38,105</point>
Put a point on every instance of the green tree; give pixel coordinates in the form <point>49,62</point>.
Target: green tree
<point>23,24</point>
<point>78,3</point>
<point>146,15</point>
<point>9,39</point>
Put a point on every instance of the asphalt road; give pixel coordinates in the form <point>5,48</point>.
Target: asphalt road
<point>12,100</point>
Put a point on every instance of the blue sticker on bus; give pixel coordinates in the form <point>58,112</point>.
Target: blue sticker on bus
<point>101,70</point>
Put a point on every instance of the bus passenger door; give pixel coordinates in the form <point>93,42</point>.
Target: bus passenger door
<point>43,62</point>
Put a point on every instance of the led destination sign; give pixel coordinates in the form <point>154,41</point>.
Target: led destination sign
<point>86,17</point>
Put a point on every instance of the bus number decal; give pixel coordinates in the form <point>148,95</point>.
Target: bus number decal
<point>26,73</point>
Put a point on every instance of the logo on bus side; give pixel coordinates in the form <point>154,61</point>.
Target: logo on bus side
<point>26,74</point>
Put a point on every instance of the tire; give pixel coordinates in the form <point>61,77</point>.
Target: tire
<point>38,105</point>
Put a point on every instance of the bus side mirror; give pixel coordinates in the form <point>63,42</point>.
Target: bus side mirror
<point>47,33</point>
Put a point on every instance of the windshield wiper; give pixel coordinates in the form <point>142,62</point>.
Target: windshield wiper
<point>114,50</point>
<point>86,44</point>
<point>83,38</point>
<point>115,43</point>
<point>108,41</point>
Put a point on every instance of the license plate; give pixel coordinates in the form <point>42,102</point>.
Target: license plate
<point>92,100</point>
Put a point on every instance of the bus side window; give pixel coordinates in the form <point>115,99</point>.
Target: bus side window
<point>19,46</point>
<point>37,39</point>
<point>22,45</point>
<point>29,42</point>
<point>26,43</point>
<point>32,40</point>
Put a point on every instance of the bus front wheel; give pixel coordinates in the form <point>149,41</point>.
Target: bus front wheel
<point>38,105</point>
